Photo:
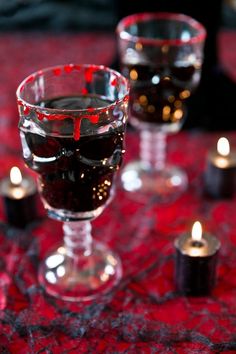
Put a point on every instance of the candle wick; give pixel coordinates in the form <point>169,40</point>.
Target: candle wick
<point>13,184</point>
<point>196,243</point>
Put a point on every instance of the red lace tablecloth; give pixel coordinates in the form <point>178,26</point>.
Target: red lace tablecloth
<point>144,314</point>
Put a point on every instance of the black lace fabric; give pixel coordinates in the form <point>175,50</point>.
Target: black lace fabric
<point>144,313</point>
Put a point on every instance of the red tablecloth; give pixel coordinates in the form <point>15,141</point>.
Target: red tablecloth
<point>145,314</point>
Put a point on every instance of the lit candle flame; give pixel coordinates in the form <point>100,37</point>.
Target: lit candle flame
<point>15,176</point>
<point>223,147</point>
<point>197,231</point>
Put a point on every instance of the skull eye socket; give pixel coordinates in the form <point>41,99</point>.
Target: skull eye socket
<point>43,146</point>
<point>101,147</point>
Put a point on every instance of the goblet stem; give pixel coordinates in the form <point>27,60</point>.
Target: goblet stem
<point>78,238</point>
<point>151,175</point>
<point>153,149</point>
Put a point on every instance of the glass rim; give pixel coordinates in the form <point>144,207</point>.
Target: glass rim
<point>69,68</point>
<point>129,20</point>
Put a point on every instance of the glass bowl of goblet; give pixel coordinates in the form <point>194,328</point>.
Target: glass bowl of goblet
<point>72,124</point>
<point>161,54</point>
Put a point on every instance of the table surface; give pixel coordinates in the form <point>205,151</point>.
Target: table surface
<point>145,313</point>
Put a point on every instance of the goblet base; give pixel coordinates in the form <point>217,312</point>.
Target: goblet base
<point>82,279</point>
<point>142,181</point>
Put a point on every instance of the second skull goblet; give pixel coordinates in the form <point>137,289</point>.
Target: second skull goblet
<point>162,55</point>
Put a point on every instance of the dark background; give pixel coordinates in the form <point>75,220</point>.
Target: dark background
<point>212,107</point>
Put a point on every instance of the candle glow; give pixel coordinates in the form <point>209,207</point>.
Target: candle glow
<point>198,245</point>
<point>17,189</point>
<point>15,176</point>
<point>223,147</point>
<point>197,231</point>
<point>223,150</point>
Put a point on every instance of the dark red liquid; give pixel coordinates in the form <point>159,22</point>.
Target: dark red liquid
<point>75,175</point>
<point>158,93</point>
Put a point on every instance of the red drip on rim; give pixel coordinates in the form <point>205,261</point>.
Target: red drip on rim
<point>78,114</point>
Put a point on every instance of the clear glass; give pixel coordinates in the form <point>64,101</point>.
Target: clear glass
<point>72,124</point>
<point>161,54</point>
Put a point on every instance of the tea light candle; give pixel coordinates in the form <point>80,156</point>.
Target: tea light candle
<point>195,262</point>
<point>220,175</point>
<point>19,194</point>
